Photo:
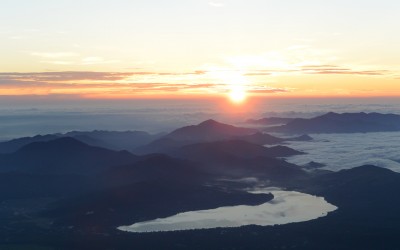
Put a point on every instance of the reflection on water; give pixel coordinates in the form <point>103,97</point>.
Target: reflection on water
<point>286,207</point>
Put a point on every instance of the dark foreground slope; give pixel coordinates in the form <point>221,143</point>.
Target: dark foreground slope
<point>367,218</point>
<point>241,159</point>
<point>65,194</point>
<point>54,190</point>
<point>104,210</point>
<point>63,156</point>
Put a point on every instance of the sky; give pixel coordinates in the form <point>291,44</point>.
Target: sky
<point>199,48</point>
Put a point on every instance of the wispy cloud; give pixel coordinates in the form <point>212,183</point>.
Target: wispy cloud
<point>338,70</point>
<point>55,54</point>
<point>71,58</point>
<point>66,76</point>
<point>320,70</point>
<point>59,62</point>
<point>216,4</point>
<point>17,37</point>
<point>121,83</point>
<point>267,90</point>
<point>96,60</point>
<point>207,81</point>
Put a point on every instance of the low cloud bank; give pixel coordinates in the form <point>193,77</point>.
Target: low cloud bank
<point>345,151</point>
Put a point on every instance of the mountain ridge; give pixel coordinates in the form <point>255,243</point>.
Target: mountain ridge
<point>341,123</point>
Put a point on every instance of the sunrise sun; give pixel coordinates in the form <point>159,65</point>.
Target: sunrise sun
<point>237,94</point>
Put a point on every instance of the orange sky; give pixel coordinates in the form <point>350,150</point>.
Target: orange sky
<point>196,48</point>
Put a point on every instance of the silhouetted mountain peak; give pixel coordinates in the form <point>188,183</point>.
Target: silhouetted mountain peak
<point>213,124</point>
<point>15,144</point>
<point>330,114</point>
<point>260,138</point>
<point>342,123</point>
<point>63,143</point>
<point>64,156</point>
<point>50,137</point>
<point>348,116</point>
<point>304,137</point>
<point>210,122</point>
<point>370,170</point>
<point>209,130</point>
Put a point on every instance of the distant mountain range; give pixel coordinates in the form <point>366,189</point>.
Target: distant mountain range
<point>15,144</point>
<point>144,143</point>
<point>337,123</point>
<point>206,131</point>
<point>269,121</point>
<point>121,140</point>
<point>211,131</point>
<point>113,140</point>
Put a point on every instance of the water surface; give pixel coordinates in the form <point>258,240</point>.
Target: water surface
<point>286,207</point>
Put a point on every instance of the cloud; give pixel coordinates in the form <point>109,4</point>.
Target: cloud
<point>210,81</point>
<point>90,75</point>
<point>96,60</point>
<point>267,90</point>
<point>216,4</point>
<point>58,58</point>
<point>345,151</point>
<point>300,59</point>
<point>65,76</point>
<point>116,83</point>
<point>197,72</point>
<point>55,54</point>
<point>19,83</point>
<point>258,73</point>
<point>319,70</point>
<point>17,37</point>
<point>58,62</point>
<point>337,70</point>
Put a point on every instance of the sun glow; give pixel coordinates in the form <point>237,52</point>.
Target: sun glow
<point>237,94</point>
<point>233,81</point>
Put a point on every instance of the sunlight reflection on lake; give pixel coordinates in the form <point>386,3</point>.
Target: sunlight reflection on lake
<point>286,207</point>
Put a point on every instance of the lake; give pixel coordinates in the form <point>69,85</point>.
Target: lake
<point>286,207</point>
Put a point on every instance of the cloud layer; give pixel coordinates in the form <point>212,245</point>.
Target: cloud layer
<point>257,75</point>
<point>344,151</point>
<point>121,83</point>
<point>320,70</point>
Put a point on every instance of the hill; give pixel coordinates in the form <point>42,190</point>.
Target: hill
<point>342,123</point>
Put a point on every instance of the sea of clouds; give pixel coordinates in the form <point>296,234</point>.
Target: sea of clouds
<point>344,151</point>
<point>28,117</point>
